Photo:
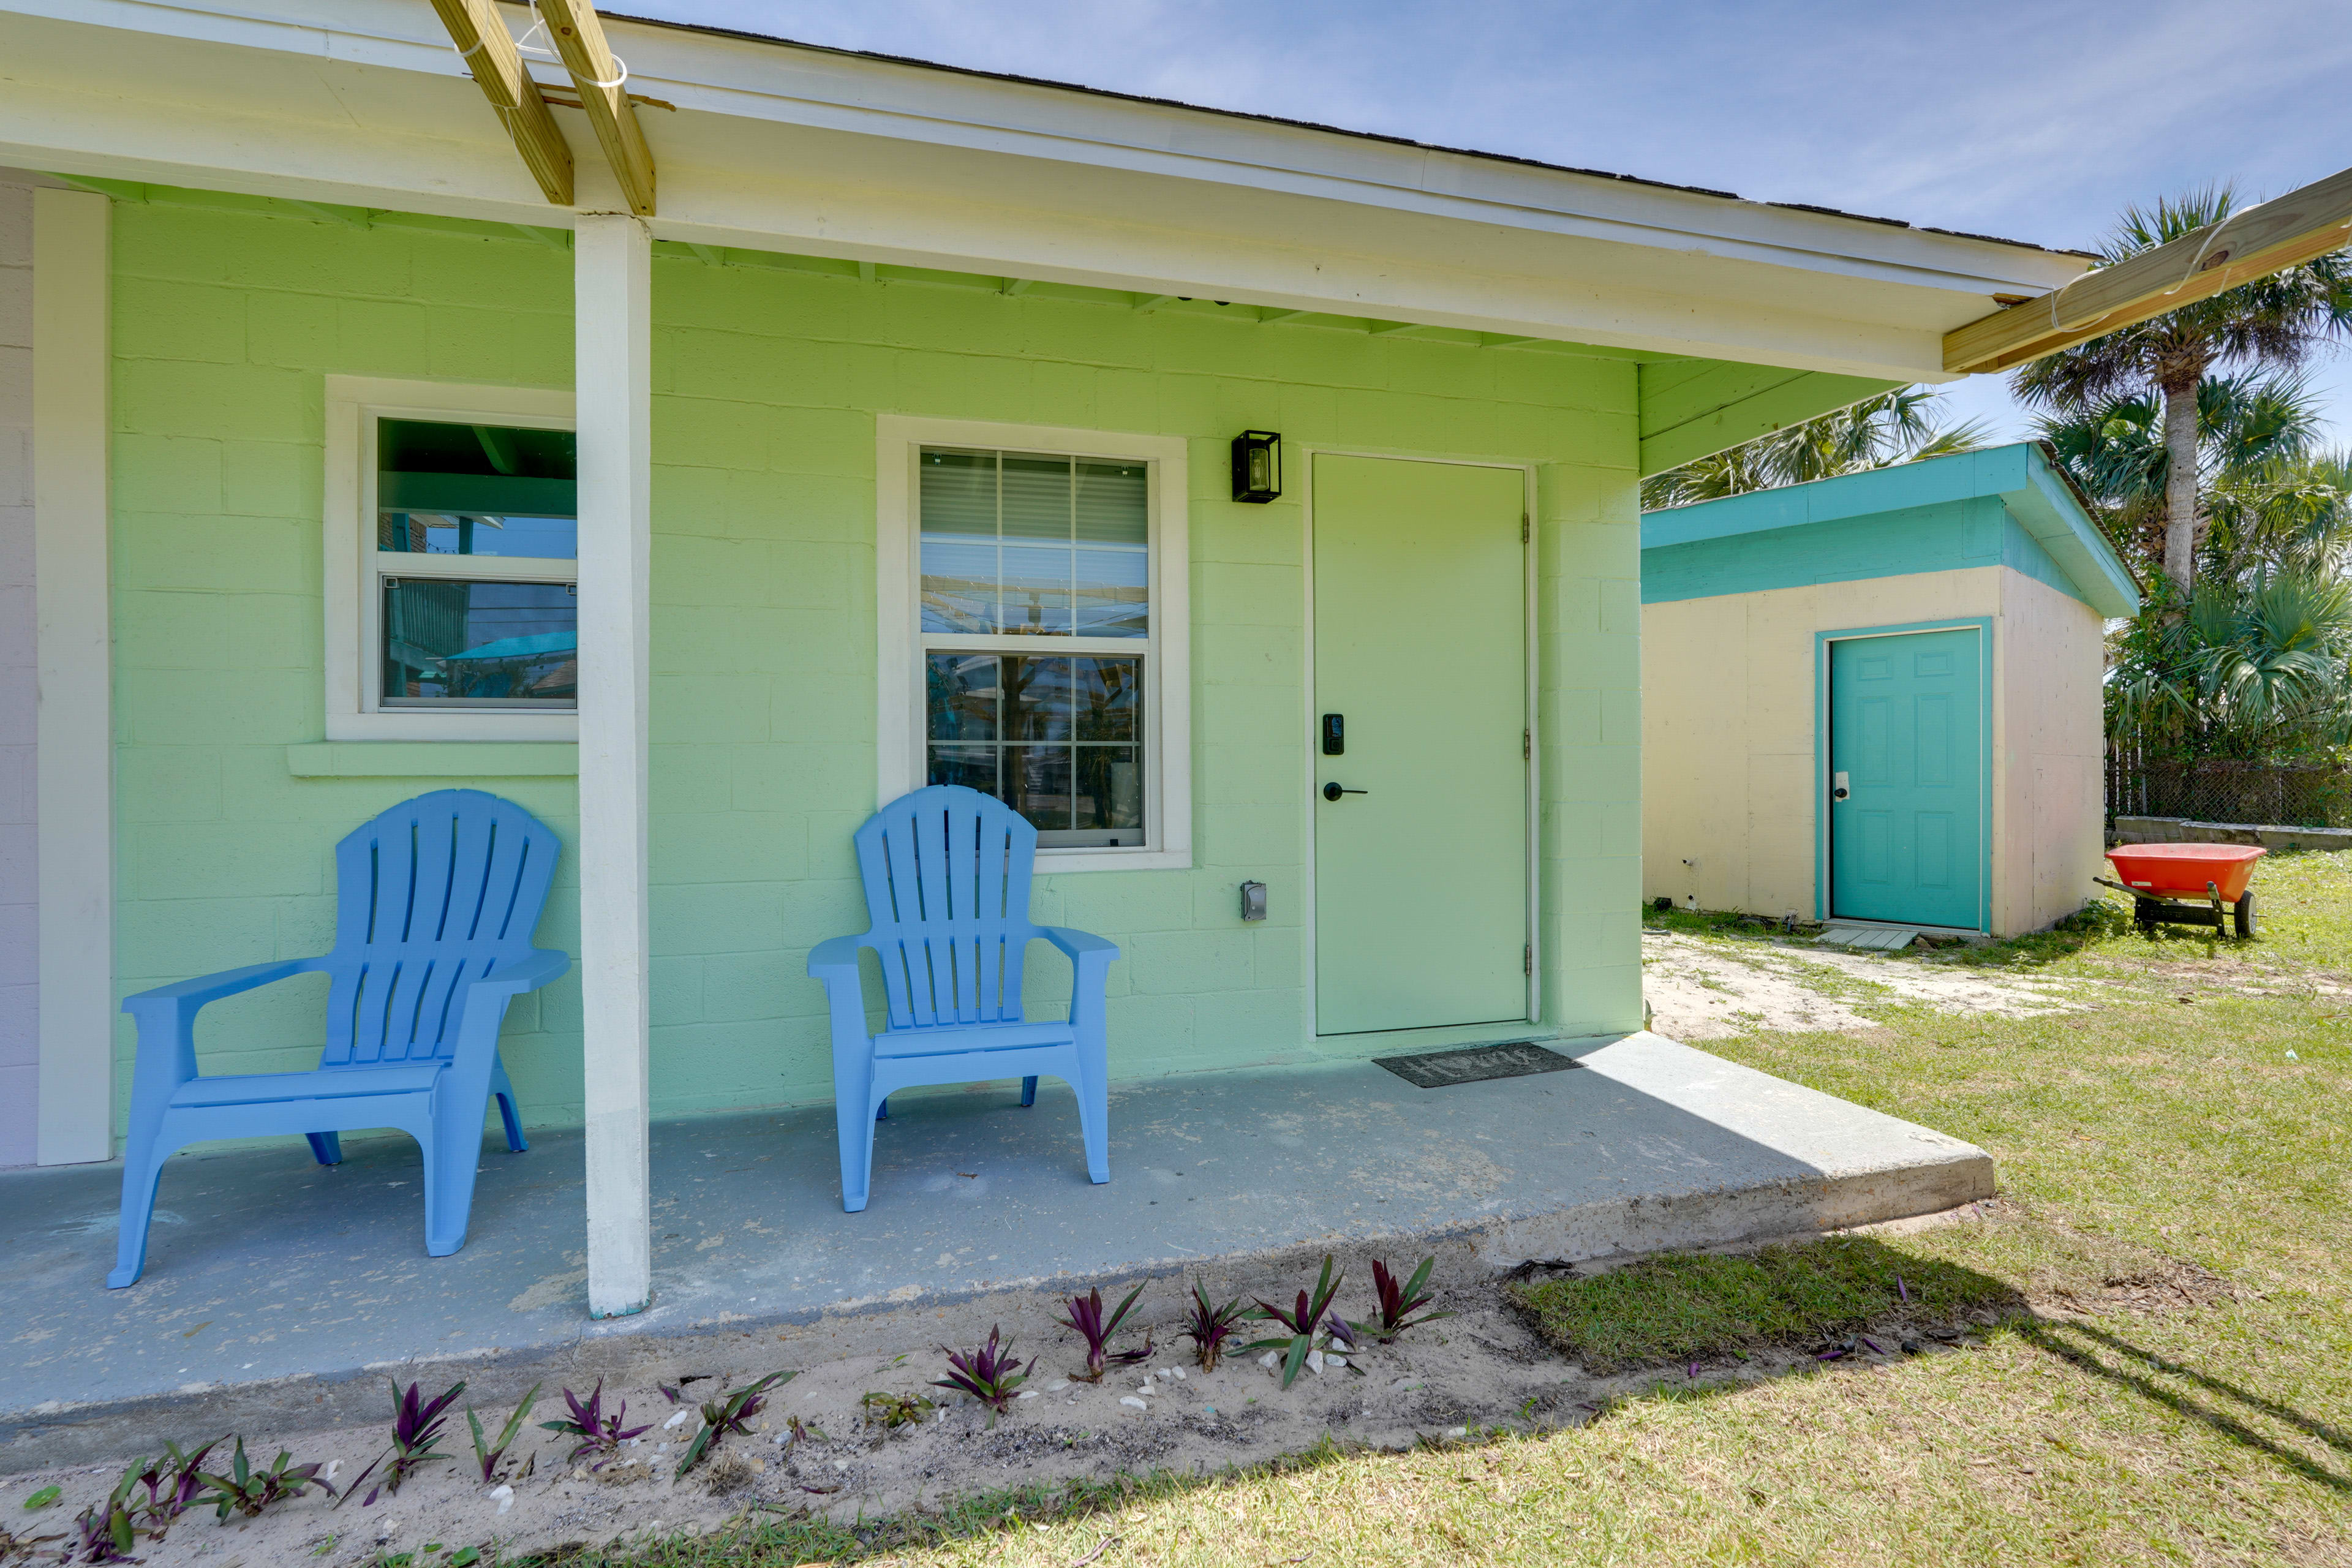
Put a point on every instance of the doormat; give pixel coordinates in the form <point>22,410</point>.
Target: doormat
<point>1440,1069</point>
<point>1869,938</point>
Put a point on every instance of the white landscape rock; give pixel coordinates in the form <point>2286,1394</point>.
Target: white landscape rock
<point>1057,1385</point>
<point>1315,1362</point>
<point>1026,1394</point>
<point>1271,1358</point>
<point>503,1496</point>
<point>675,1420</point>
<point>1132,1399</point>
<point>1179,1371</point>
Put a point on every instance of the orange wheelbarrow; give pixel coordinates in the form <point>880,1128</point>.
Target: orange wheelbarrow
<point>2160,877</point>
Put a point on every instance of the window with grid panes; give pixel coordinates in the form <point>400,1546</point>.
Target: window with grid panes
<point>1036,631</point>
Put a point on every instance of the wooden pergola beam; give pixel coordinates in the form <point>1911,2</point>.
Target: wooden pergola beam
<point>2285,232</point>
<point>489,53</point>
<point>579,37</point>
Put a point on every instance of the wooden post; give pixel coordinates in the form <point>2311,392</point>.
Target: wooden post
<point>489,53</point>
<point>612,296</point>
<point>74,732</point>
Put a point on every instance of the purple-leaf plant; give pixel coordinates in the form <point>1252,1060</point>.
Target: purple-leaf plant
<point>1311,1316</point>
<point>489,1456</point>
<point>991,1374</point>
<point>732,1413</point>
<point>415,1433</point>
<point>1209,1327</point>
<point>596,1432</point>
<point>1399,1302</point>
<point>1088,1322</point>
<point>249,1491</point>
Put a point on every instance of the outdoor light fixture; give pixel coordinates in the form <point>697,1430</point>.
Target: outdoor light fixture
<point>1257,465</point>
<point>1253,900</point>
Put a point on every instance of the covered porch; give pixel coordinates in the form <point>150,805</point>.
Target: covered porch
<point>277,1286</point>
<point>740,362</point>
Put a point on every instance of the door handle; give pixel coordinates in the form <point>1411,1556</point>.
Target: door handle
<point>1839,787</point>
<point>1333,792</point>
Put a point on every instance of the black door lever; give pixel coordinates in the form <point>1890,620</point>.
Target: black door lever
<point>1333,792</point>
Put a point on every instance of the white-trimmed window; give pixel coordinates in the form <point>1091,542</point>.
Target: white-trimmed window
<point>1032,632</point>
<point>452,600</point>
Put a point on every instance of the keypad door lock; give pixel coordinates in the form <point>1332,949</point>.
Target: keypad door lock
<point>1334,734</point>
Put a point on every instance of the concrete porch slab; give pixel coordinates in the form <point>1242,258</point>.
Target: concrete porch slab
<point>270,1279</point>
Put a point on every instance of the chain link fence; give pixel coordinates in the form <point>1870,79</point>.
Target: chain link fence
<point>2214,790</point>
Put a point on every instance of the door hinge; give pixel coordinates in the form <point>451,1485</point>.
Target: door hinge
<point>1526,745</point>
<point>1523,527</point>
<point>1528,958</point>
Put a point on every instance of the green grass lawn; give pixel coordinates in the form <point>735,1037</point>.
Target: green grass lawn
<point>2173,1164</point>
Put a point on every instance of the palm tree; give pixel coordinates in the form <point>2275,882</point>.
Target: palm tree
<point>2273,323</point>
<point>2254,669</point>
<point>2254,431</point>
<point>1892,427</point>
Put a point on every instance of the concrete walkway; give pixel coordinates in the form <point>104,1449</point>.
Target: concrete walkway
<point>263,1266</point>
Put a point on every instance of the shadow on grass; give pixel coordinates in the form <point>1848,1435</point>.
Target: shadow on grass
<point>1681,1308</point>
<point>2079,1345</point>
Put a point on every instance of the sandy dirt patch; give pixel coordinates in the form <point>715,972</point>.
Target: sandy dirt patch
<point>817,1449</point>
<point>1703,990</point>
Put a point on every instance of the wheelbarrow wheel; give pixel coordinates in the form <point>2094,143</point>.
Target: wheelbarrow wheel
<point>2244,912</point>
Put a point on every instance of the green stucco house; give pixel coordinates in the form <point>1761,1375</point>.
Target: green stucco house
<point>878,430</point>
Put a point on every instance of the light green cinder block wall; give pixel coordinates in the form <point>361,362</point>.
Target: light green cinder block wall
<point>767,383</point>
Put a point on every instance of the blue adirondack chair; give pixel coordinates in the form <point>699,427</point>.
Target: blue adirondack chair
<point>947,895</point>
<point>436,901</point>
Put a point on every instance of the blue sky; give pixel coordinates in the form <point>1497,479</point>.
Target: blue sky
<point>2035,121</point>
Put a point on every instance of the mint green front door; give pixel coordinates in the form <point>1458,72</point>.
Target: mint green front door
<point>1421,880</point>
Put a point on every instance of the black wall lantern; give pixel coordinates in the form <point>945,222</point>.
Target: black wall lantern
<point>1257,465</point>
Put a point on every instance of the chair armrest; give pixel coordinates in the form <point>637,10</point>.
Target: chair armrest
<point>833,956</point>
<point>543,965</point>
<point>166,1017</point>
<point>204,988</point>
<point>1078,944</point>
<point>484,1001</point>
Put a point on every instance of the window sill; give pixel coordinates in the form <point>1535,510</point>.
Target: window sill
<point>433,758</point>
<point>1054,862</point>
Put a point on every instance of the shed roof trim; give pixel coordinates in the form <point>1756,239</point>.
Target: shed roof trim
<point>2021,475</point>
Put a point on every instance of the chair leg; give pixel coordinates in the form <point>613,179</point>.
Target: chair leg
<point>503,1089</point>
<point>853,1092</point>
<point>1094,1108</point>
<point>882,1112</point>
<point>141,1168</point>
<point>326,1148</point>
<point>1029,1090</point>
<point>452,1153</point>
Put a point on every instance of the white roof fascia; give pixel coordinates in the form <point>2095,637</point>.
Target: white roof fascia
<point>778,148</point>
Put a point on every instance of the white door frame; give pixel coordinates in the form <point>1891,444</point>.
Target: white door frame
<point>1309,720</point>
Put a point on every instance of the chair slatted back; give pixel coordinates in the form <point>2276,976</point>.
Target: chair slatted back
<point>947,892</point>
<point>439,889</point>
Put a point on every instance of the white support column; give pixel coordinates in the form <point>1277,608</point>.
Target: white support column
<point>74,734</point>
<point>612,296</point>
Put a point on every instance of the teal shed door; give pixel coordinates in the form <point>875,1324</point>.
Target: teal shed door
<point>1421,846</point>
<point>1907,745</point>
